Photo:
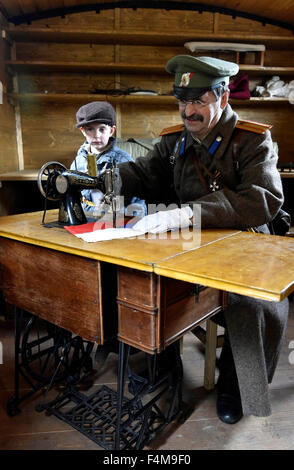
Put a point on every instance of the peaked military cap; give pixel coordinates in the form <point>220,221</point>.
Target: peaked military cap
<point>199,74</point>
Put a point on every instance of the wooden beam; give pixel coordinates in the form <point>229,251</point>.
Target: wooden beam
<point>18,129</point>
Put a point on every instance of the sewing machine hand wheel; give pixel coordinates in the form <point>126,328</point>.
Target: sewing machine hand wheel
<point>46,178</point>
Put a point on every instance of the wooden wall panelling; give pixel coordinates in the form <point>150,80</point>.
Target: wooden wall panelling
<point>278,57</point>
<point>65,82</point>
<point>280,116</point>
<point>162,84</point>
<point>157,55</point>
<point>60,52</point>
<point>117,74</point>
<point>48,127</point>
<point>82,21</point>
<point>147,121</point>
<point>95,53</point>
<point>87,83</point>
<point>169,21</point>
<point>8,147</point>
<point>226,24</point>
<point>49,133</point>
<point>128,19</point>
<point>8,150</point>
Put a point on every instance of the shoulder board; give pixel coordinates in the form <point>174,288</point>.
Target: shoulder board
<point>172,129</point>
<point>252,126</point>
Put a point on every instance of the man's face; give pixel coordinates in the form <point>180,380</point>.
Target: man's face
<point>201,115</point>
<point>98,134</point>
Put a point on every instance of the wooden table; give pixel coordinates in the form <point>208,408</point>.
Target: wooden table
<point>156,277</point>
<point>246,263</point>
<point>166,287</point>
<point>57,276</point>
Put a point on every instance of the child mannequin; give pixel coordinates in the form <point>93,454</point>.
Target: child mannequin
<point>96,121</point>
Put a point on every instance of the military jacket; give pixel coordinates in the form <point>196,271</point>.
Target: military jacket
<point>248,196</point>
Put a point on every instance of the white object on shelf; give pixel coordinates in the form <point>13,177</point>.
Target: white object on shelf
<point>144,92</point>
<point>223,46</point>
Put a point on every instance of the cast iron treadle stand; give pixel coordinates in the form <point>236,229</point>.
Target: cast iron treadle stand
<point>116,422</point>
<point>45,354</point>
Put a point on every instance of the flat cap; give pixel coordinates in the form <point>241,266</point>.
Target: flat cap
<point>200,72</point>
<point>96,111</point>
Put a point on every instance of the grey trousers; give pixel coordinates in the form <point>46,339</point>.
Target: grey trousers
<point>256,330</point>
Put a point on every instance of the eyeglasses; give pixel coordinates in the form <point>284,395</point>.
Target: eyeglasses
<point>199,103</point>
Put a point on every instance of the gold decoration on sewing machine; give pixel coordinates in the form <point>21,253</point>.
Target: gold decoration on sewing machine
<point>92,164</point>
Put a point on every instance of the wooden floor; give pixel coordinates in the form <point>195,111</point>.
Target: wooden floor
<point>36,431</point>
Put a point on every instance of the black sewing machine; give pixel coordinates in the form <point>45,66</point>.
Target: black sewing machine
<point>57,183</point>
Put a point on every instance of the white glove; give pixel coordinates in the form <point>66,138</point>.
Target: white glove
<point>163,221</point>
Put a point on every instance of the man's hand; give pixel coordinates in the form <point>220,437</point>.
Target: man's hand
<point>163,221</point>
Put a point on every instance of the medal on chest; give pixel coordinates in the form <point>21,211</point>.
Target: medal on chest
<point>215,181</point>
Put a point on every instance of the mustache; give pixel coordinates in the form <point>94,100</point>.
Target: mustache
<point>193,117</point>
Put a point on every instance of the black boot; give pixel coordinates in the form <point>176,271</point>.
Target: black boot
<point>228,406</point>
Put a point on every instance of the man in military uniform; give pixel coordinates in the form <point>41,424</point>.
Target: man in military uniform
<point>228,166</point>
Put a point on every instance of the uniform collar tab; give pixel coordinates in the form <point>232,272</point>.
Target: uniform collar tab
<point>217,140</point>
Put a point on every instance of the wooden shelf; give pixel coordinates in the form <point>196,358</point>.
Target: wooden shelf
<point>50,66</point>
<point>261,70</point>
<point>287,174</point>
<point>21,175</point>
<point>123,99</point>
<point>69,97</point>
<point>174,38</point>
<point>260,101</point>
<point>56,66</point>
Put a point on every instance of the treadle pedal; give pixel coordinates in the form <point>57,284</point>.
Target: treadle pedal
<point>95,416</point>
<point>136,383</point>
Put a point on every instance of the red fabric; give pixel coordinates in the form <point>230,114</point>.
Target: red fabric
<point>239,88</point>
<point>98,225</point>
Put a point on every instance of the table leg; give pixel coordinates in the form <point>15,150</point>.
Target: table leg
<point>13,402</point>
<point>123,358</point>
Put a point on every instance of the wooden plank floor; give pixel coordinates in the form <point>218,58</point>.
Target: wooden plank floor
<point>36,431</point>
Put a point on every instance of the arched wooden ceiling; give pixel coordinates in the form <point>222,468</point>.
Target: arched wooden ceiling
<point>279,12</point>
